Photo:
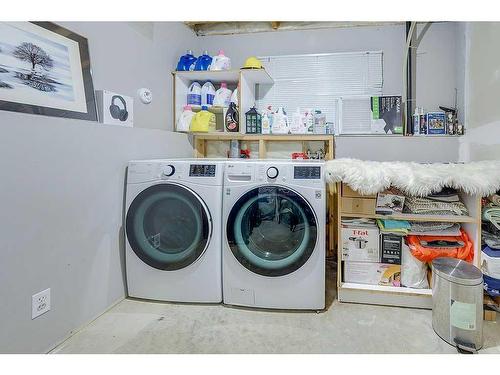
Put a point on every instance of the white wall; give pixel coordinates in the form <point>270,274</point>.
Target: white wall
<point>482,82</point>
<point>62,187</point>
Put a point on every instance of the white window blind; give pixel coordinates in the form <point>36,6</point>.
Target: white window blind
<point>319,81</point>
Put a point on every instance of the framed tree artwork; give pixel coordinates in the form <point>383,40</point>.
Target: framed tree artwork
<point>45,70</point>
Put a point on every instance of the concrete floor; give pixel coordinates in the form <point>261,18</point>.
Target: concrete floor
<point>137,326</point>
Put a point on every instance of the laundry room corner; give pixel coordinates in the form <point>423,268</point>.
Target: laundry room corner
<point>63,183</point>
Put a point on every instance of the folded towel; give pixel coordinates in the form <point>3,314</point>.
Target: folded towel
<point>424,206</point>
<point>491,213</point>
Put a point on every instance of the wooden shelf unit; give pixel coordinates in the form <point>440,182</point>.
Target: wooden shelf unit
<point>402,296</point>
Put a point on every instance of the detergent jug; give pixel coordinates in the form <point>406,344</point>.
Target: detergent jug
<point>186,62</point>
<point>220,62</point>
<point>203,62</point>
<point>234,96</point>
<point>194,94</point>
<point>184,122</point>
<point>203,121</point>
<point>222,96</point>
<point>207,94</point>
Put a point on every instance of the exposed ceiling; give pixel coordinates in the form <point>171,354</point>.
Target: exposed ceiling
<point>203,28</point>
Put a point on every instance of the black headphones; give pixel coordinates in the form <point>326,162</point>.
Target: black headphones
<point>117,112</point>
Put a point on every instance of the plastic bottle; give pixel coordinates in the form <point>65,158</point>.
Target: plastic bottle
<point>222,96</point>
<point>416,121</point>
<point>234,96</point>
<point>184,122</point>
<point>280,122</point>
<point>203,121</point>
<point>309,121</point>
<point>297,125</point>
<point>232,119</point>
<point>194,94</point>
<point>207,94</point>
<point>203,62</point>
<point>234,151</point>
<point>187,61</point>
<point>319,123</point>
<point>266,123</point>
<point>220,62</point>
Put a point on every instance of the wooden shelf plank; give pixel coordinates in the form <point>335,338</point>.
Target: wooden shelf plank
<point>215,76</point>
<point>412,217</point>
<point>221,136</point>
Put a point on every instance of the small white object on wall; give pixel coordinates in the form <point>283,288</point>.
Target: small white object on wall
<point>115,109</point>
<point>145,95</point>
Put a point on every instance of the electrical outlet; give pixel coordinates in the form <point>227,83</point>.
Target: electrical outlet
<point>40,303</point>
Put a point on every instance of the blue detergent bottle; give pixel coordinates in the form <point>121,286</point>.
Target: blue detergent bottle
<point>203,62</point>
<point>186,62</point>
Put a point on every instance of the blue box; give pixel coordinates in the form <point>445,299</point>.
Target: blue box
<point>436,123</point>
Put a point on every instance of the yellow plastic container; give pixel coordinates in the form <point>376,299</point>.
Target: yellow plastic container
<point>203,122</point>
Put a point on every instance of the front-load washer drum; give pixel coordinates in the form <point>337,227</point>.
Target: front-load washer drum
<point>272,230</point>
<point>168,226</point>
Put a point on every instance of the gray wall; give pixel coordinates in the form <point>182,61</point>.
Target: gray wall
<point>126,56</point>
<point>482,82</point>
<point>62,189</point>
<point>436,53</point>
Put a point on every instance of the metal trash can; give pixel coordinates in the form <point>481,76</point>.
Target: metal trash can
<point>457,303</point>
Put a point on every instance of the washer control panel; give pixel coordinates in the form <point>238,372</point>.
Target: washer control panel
<point>307,172</point>
<point>202,170</point>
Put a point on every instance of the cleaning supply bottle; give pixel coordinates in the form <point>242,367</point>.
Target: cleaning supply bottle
<point>220,62</point>
<point>184,122</point>
<point>270,114</point>
<point>232,119</point>
<point>319,122</point>
<point>194,94</point>
<point>203,62</point>
<point>187,61</point>
<point>222,96</point>
<point>280,122</point>
<point>416,122</point>
<point>297,125</point>
<point>266,123</point>
<point>309,121</point>
<point>234,96</point>
<point>207,94</point>
<point>203,121</point>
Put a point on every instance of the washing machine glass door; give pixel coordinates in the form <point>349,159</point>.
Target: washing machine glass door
<point>168,226</point>
<point>272,231</point>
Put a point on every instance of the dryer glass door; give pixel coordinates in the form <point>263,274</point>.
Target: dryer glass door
<point>272,231</point>
<point>168,226</point>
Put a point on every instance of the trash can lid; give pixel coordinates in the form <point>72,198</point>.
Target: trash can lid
<point>457,271</point>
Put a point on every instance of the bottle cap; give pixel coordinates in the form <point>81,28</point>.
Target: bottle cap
<point>204,107</point>
<point>221,52</point>
<point>187,107</point>
<point>223,85</point>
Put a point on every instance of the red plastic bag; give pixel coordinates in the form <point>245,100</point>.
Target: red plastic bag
<point>428,253</point>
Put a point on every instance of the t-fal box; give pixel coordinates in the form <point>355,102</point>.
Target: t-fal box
<point>436,123</point>
<point>372,273</point>
<point>391,246</point>
<point>360,244</point>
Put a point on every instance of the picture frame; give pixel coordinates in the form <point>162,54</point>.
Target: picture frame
<point>45,70</point>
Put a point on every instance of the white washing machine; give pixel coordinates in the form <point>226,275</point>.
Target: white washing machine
<point>274,216</point>
<point>173,230</point>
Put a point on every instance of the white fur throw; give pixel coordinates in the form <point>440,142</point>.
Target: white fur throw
<point>371,177</point>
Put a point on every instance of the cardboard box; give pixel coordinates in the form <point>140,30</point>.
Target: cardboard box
<point>372,273</point>
<point>358,206</point>
<point>391,247</point>
<point>387,115</point>
<point>490,315</point>
<point>115,109</point>
<point>348,192</point>
<point>360,244</point>
<point>436,123</point>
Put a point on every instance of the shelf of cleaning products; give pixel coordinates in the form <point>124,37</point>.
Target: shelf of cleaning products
<point>222,136</point>
<point>414,217</point>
